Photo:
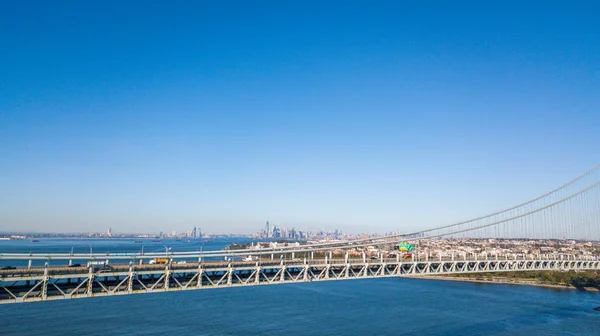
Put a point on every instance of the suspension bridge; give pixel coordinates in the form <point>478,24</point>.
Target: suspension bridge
<point>571,211</point>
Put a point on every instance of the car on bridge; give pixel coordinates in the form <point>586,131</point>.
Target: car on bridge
<point>97,265</point>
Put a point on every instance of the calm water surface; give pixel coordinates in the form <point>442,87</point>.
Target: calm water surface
<point>390,306</point>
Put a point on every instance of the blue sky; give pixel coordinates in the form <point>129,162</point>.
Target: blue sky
<point>149,116</point>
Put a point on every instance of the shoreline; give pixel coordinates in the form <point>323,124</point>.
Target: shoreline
<point>449,278</point>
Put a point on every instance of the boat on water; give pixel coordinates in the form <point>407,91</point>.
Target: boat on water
<point>137,241</point>
<point>35,241</point>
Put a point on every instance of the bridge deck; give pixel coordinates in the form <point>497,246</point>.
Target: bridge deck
<point>50,283</point>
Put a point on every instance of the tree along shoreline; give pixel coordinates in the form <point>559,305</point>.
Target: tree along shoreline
<point>587,280</point>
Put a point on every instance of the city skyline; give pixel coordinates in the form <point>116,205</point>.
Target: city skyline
<point>195,232</point>
<point>394,117</point>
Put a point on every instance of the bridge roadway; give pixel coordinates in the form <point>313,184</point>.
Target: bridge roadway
<point>62,282</point>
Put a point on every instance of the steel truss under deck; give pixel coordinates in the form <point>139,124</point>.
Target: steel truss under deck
<point>40,284</point>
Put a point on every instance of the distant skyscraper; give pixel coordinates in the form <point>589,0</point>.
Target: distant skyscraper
<point>194,233</point>
<point>109,232</point>
<point>268,229</point>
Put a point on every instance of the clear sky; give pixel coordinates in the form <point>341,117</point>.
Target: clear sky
<point>358,115</point>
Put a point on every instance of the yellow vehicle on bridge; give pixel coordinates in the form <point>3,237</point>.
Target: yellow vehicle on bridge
<point>159,261</point>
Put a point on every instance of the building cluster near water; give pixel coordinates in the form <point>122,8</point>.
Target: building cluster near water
<point>460,248</point>
<point>9,237</point>
<point>507,247</point>
<point>272,231</point>
<point>491,248</point>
